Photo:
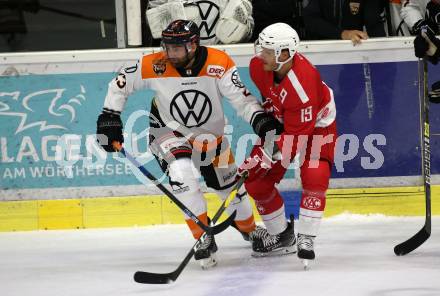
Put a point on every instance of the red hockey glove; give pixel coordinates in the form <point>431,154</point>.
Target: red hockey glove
<point>257,165</point>
<point>267,105</point>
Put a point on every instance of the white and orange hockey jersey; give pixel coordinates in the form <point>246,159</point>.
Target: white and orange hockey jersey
<point>190,102</point>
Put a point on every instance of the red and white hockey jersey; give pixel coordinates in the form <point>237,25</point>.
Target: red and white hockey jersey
<point>191,105</point>
<point>301,101</point>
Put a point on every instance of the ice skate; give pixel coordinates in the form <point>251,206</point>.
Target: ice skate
<point>283,243</point>
<point>305,249</point>
<point>206,252</point>
<point>257,234</point>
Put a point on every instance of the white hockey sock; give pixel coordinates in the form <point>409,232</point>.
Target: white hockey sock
<point>309,221</point>
<point>241,203</point>
<point>185,186</point>
<point>275,222</point>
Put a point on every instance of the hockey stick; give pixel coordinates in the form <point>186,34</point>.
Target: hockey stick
<point>210,230</point>
<point>144,277</point>
<point>420,237</point>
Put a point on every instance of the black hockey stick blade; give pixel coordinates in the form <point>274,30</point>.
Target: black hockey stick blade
<point>222,226</point>
<point>412,243</point>
<point>145,277</point>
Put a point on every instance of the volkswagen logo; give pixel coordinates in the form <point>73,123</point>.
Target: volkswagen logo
<point>191,108</point>
<point>209,14</point>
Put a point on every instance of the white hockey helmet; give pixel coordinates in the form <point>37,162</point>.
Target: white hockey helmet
<point>278,36</point>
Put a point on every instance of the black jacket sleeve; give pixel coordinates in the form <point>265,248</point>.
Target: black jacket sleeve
<point>374,23</point>
<point>317,25</point>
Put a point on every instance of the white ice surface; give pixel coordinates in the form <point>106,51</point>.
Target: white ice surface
<point>354,257</point>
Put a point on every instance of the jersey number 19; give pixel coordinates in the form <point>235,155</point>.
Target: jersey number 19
<point>306,114</point>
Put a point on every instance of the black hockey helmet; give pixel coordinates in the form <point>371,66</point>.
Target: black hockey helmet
<point>181,32</point>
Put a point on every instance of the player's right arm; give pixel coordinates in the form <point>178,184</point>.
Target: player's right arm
<point>109,123</point>
<point>128,80</point>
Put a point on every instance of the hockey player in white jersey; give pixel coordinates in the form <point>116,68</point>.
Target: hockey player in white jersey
<point>187,123</point>
<point>413,14</point>
<point>219,21</point>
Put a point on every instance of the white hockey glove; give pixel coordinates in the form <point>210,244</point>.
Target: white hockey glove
<point>159,17</point>
<point>236,23</point>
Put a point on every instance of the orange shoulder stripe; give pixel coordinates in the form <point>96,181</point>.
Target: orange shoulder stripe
<point>156,66</point>
<point>217,63</point>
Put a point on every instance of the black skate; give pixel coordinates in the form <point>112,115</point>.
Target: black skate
<point>305,248</point>
<point>276,245</point>
<point>257,234</point>
<point>205,252</point>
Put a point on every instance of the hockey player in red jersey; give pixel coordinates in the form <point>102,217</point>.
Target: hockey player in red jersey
<point>292,91</point>
<point>187,123</point>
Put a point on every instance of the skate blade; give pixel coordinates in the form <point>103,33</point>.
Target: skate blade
<point>277,252</point>
<point>305,264</point>
<point>208,263</point>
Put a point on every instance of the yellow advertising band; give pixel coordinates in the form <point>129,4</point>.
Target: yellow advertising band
<point>157,209</point>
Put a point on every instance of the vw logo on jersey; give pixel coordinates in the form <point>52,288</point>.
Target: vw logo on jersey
<point>209,15</point>
<point>191,108</point>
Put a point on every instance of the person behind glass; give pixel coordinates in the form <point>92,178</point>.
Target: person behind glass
<point>427,45</point>
<point>344,19</point>
<point>294,93</point>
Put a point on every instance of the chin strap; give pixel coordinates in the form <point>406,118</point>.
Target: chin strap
<point>281,64</point>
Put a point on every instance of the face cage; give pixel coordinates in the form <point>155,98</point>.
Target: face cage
<point>258,48</point>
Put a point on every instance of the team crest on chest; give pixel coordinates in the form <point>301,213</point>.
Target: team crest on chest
<point>159,67</point>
